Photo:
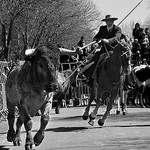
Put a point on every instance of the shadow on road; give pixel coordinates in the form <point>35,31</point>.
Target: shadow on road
<point>131,126</point>
<point>67,129</point>
<point>2,147</point>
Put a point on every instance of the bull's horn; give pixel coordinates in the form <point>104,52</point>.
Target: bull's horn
<point>29,52</point>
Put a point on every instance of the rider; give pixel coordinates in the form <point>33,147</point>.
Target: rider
<point>109,35</point>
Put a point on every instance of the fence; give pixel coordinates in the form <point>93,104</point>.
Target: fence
<point>3,77</point>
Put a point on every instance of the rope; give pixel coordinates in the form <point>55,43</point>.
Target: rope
<point>83,62</point>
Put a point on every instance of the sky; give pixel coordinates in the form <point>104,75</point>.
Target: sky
<point>121,8</point>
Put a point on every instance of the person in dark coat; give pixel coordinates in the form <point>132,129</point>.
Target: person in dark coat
<point>108,34</point>
<point>81,43</point>
<point>137,32</point>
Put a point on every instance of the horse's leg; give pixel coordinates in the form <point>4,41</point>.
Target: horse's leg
<point>45,110</point>
<point>11,120</point>
<point>124,104</point>
<point>17,140</point>
<point>94,113</point>
<point>59,100</point>
<point>87,109</point>
<point>98,103</point>
<point>122,100</point>
<point>118,104</point>
<point>109,107</point>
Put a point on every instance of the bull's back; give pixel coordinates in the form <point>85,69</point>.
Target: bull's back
<point>12,94</point>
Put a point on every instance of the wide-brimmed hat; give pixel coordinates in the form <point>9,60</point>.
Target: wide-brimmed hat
<point>109,17</point>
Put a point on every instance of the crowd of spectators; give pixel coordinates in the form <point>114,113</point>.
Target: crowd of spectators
<point>141,44</point>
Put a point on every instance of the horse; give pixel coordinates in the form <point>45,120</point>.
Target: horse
<point>108,81</point>
<point>66,78</point>
<point>28,87</point>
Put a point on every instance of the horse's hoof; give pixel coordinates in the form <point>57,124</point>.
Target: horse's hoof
<point>84,117</point>
<point>91,118</point>
<point>17,142</point>
<point>91,122</point>
<point>100,123</point>
<point>124,113</point>
<point>117,112</point>
<point>57,111</point>
<point>10,135</point>
<point>38,138</point>
<point>29,147</point>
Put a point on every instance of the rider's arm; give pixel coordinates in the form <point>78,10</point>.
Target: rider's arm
<point>117,35</point>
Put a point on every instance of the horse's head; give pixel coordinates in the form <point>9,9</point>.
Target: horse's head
<point>125,58</point>
<point>43,68</point>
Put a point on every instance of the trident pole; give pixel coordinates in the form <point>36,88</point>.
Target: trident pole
<point>130,12</point>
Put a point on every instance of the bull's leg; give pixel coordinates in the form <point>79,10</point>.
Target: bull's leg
<point>11,120</point>
<point>26,119</point>
<point>17,141</point>
<point>45,110</point>
<point>29,140</point>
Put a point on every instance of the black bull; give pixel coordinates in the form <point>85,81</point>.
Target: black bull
<point>27,88</point>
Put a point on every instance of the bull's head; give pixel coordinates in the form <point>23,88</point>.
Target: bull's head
<point>43,68</point>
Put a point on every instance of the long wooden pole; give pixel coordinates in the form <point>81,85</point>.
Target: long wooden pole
<point>130,12</point>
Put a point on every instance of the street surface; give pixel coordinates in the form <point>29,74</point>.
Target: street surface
<point>67,131</point>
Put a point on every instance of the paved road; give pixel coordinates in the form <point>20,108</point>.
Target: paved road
<point>67,131</point>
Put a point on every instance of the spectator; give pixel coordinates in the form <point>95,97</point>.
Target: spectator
<point>137,32</point>
<point>145,62</point>
<point>136,46</point>
<point>81,43</point>
<point>147,32</point>
<point>144,42</point>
